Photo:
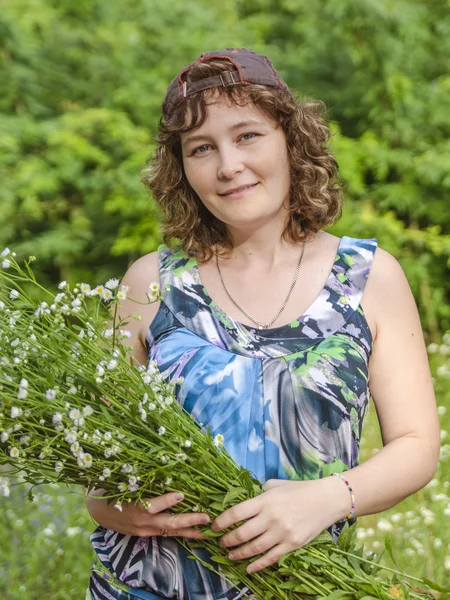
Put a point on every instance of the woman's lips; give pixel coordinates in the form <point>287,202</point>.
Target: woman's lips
<point>240,192</point>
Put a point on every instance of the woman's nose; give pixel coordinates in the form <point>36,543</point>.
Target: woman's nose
<point>230,164</point>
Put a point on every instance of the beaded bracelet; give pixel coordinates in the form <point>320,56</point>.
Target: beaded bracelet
<point>351,514</point>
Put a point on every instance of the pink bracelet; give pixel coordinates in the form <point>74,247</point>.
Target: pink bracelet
<point>351,514</point>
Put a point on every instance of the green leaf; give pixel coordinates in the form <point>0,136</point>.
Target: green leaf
<point>233,494</point>
<point>435,586</point>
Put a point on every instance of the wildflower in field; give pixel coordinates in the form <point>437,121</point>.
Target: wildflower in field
<point>98,291</point>
<point>5,252</point>
<point>74,414</point>
<point>50,394</point>
<point>5,489</point>
<point>88,411</point>
<point>107,295</point>
<point>59,466</point>
<point>4,436</point>
<point>168,481</point>
<point>14,452</point>
<point>218,440</point>
<point>71,437</point>
<point>75,448</point>
<point>72,390</point>
<point>108,333</point>
<point>111,365</point>
<point>85,289</point>
<point>6,263</point>
<point>162,430</point>
<point>63,285</point>
<point>100,371</point>
<point>15,412</point>
<point>57,417</point>
<point>125,334</point>
<point>13,294</point>
<point>187,444</point>
<point>106,472</point>
<point>122,486</point>
<point>126,468</point>
<point>111,284</point>
<point>181,456</point>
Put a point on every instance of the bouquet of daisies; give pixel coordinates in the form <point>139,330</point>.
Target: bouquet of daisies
<point>75,409</point>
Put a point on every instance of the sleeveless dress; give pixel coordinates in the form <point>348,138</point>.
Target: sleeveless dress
<point>289,401</point>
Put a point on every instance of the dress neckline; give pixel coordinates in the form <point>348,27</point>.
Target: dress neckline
<point>226,318</point>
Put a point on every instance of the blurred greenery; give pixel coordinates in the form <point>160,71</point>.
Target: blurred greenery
<point>81,84</point>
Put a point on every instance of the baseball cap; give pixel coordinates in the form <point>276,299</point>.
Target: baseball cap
<point>246,68</point>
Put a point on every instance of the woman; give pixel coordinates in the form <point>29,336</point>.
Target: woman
<point>274,326</point>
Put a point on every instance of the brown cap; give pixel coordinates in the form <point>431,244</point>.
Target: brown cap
<point>246,67</point>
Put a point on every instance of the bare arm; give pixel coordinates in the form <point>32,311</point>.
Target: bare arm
<point>402,389</point>
<point>135,519</point>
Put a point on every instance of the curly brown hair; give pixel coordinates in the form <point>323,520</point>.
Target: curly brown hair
<point>315,199</point>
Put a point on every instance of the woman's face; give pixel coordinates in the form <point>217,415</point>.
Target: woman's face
<point>237,163</point>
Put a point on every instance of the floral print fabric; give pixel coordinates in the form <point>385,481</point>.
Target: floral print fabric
<point>289,401</point>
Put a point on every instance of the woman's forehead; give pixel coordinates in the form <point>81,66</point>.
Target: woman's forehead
<point>222,114</point>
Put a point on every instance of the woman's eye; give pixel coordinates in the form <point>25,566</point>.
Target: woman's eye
<point>248,136</point>
<point>201,149</point>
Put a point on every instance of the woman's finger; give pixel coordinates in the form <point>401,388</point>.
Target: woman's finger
<point>161,503</point>
<point>245,532</point>
<point>269,558</point>
<point>235,514</point>
<point>257,546</point>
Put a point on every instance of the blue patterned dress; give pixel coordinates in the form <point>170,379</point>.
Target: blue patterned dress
<point>289,401</point>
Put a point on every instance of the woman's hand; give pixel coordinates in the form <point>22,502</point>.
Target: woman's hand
<point>134,519</point>
<point>288,515</point>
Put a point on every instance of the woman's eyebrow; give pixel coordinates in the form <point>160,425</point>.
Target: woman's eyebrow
<point>238,125</point>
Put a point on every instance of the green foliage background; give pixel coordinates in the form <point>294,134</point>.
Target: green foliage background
<point>81,84</point>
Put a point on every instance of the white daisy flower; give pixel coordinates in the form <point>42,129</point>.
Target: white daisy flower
<point>23,383</point>
<point>87,460</point>
<point>59,297</point>
<point>133,487</point>
<point>107,436</point>
<point>62,285</point>
<point>50,394</point>
<point>181,456</point>
<point>88,411</point>
<point>14,452</point>
<point>72,390</point>
<point>2,305</point>
<point>162,430</point>
<point>218,440</point>
<point>187,444</point>
<point>74,414</point>
<point>98,290</point>
<point>5,252</point>
<point>107,294</point>
<point>22,394</point>
<point>108,333</point>
<point>111,365</point>
<point>13,294</point>
<point>152,296</point>
<point>15,412</point>
<point>57,417</point>
<point>111,284</point>
<point>122,486</point>
<point>154,286</point>
<point>59,466</point>
<point>75,448</point>
<point>125,468</point>
<point>6,263</point>
<point>106,472</point>
<point>71,437</point>
<point>85,288</point>
<point>100,371</point>
<point>76,303</point>
<point>4,436</point>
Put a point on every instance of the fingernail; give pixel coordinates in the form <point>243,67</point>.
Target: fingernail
<point>214,527</point>
<point>231,556</point>
<point>205,519</point>
<point>179,496</point>
<point>250,569</point>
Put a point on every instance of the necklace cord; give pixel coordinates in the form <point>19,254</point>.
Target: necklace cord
<point>283,306</point>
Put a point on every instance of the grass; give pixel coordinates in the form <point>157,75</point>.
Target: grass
<point>46,553</point>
